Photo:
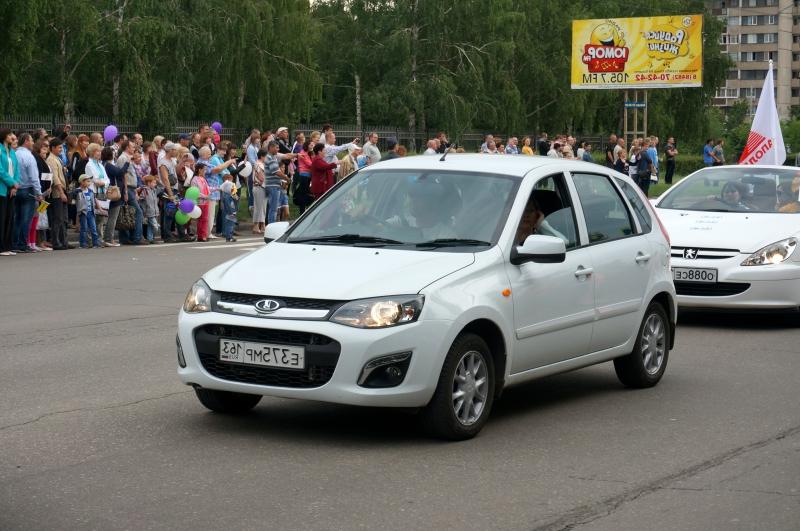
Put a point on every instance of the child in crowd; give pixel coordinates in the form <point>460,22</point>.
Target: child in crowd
<point>85,203</point>
<point>149,202</point>
<point>199,180</point>
<point>229,200</point>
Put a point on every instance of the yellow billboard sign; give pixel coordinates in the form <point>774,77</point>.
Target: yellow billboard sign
<point>640,53</point>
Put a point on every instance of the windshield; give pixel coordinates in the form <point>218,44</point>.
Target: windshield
<point>418,209</point>
<point>742,189</point>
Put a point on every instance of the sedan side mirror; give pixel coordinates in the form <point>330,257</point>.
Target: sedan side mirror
<point>541,249</point>
<point>275,230</point>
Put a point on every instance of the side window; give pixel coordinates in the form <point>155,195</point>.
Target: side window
<point>607,217</point>
<point>639,208</point>
<point>549,211</point>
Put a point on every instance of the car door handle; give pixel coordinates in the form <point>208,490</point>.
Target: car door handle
<point>583,271</point>
<point>641,257</point>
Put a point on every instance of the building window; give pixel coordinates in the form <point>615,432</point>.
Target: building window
<point>795,93</point>
<point>733,21</point>
<point>770,37</point>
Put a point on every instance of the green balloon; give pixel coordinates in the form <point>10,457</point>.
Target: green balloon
<point>181,218</point>
<point>192,193</point>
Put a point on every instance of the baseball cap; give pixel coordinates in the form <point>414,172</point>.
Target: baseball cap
<point>184,136</point>
<point>281,129</point>
<point>84,177</point>
<point>353,147</point>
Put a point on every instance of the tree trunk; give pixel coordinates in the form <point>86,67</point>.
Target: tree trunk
<point>359,124</point>
<point>412,115</point>
<point>240,101</point>
<point>115,82</point>
<point>66,92</point>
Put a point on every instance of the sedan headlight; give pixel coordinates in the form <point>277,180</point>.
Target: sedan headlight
<point>198,300</point>
<point>380,312</point>
<point>774,253</point>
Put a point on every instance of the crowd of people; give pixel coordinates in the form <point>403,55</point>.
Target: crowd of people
<point>129,191</point>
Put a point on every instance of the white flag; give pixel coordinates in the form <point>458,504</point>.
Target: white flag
<point>765,142</point>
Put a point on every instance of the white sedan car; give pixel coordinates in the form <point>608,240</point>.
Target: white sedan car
<point>435,283</point>
<point>734,232</point>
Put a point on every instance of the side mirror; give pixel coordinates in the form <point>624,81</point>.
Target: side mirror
<point>541,249</point>
<point>275,230</point>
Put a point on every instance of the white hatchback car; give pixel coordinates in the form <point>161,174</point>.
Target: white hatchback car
<point>434,283</point>
<point>735,232</point>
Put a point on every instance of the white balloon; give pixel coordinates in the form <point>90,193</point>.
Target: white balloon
<point>245,169</point>
<point>196,213</point>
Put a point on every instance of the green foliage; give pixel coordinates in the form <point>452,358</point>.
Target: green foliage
<point>456,65</point>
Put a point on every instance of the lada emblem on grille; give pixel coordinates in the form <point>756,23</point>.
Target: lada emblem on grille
<point>267,305</point>
<point>690,254</point>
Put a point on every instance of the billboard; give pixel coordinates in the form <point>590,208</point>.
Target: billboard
<point>638,53</point>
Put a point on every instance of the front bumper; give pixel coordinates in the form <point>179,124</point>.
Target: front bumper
<point>772,287</point>
<point>428,341</point>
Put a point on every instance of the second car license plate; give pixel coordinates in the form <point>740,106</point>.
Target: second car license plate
<point>283,356</point>
<point>694,274</point>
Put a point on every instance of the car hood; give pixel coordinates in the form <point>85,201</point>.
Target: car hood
<point>744,231</point>
<point>333,272</point>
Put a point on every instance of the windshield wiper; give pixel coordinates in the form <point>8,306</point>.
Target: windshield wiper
<point>346,238</point>
<point>452,242</point>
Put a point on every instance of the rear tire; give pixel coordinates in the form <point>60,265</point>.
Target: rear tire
<point>645,366</point>
<point>464,395</point>
<point>226,401</point>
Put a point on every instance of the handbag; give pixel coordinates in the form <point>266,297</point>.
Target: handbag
<point>43,222</point>
<point>112,194</point>
<point>127,218</point>
<point>101,194</point>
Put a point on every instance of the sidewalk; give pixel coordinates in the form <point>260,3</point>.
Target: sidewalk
<point>244,229</point>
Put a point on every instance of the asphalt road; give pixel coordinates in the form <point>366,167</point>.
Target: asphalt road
<point>96,432</point>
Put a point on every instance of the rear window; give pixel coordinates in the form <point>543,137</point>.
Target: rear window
<point>639,208</point>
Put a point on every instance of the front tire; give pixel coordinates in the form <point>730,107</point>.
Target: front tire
<point>226,401</point>
<point>645,366</point>
<point>465,392</point>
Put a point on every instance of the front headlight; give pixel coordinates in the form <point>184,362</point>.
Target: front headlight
<point>774,253</point>
<point>198,300</point>
<point>380,312</point>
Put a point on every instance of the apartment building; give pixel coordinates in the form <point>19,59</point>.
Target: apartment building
<point>757,31</point>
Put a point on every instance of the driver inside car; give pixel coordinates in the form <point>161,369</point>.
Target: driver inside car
<point>533,222</point>
<point>731,195</point>
<point>432,209</point>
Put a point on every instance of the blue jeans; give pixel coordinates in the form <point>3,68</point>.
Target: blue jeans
<point>228,210</point>
<point>135,235</point>
<point>88,225</point>
<point>274,199</point>
<point>24,209</point>
<point>152,227</point>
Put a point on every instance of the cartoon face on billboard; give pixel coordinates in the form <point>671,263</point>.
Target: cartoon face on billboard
<point>606,50</point>
<point>606,34</point>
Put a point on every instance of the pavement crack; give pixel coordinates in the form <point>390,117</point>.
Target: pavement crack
<point>590,512</point>
<point>80,409</point>
<point>743,491</point>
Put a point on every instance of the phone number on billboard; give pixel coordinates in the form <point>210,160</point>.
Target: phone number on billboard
<point>664,76</point>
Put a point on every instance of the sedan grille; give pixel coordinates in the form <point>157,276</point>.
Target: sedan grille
<point>289,302</point>
<point>710,289</point>
<point>321,355</point>
<point>701,253</point>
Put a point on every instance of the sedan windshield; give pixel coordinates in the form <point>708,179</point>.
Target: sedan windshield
<point>742,189</point>
<point>423,210</point>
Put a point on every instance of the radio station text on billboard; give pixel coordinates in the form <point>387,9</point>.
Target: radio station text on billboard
<point>640,53</point>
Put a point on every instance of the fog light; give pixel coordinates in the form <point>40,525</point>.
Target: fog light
<point>386,371</point>
<point>181,359</point>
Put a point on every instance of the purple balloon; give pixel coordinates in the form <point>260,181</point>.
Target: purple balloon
<point>216,126</point>
<point>109,133</point>
<point>186,206</point>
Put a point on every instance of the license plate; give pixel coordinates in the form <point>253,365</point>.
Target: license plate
<point>694,274</point>
<point>267,354</point>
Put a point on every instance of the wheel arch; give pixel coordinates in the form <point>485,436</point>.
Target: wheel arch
<point>668,302</point>
<point>493,335</point>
